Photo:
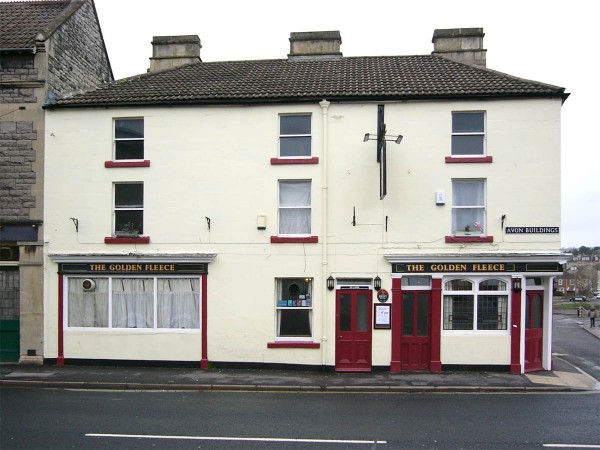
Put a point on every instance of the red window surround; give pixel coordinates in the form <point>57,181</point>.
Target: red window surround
<point>293,344</point>
<point>468,239</point>
<point>127,240</point>
<point>281,161</point>
<point>296,240</point>
<point>113,164</point>
<point>454,159</point>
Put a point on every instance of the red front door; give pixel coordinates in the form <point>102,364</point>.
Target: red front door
<point>534,330</point>
<point>353,331</point>
<point>415,321</point>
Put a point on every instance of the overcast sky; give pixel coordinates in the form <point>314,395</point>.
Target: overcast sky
<point>549,41</point>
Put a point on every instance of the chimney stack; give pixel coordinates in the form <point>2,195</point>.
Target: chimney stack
<point>169,52</point>
<point>315,45</point>
<point>464,45</point>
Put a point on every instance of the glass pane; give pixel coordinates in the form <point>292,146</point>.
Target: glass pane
<point>133,303</point>
<point>129,150</point>
<point>129,195</point>
<point>467,145</point>
<point>491,312</point>
<point>129,129</point>
<point>537,312</point>
<point>528,313</point>
<point>416,280</point>
<point>459,285</point>
<point>467,122</point>
<point>407,314</point>
<point>362,312</point>
<point>458,312</point>
<point>129,221</point>
<point>89,307</point>
<point>294,146</point>
<point>468,193</point>
<point>294,322</point>
<point>294,221</point>
<point>345,312</point>
<point>422,314</point>
<point>178,303</point>
<point>295,124</point>
<point>294,193</point>
<point>468,220</point>
<point>492,285</point>
<point>294,292</point>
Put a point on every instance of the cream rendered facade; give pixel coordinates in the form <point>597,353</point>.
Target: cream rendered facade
<point>214,162</point>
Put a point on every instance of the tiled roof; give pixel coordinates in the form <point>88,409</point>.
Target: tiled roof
<point>20,22</point>
<point>352,78</point>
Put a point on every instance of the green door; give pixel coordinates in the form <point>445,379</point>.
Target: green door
<point>9,314</point>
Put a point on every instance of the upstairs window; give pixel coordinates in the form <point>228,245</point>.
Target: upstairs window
<point>295,140</point>
<point>468,134</point>
<point>294,207</point>
<point>468,207</point>
<point>129,209</point>
<point>129,139</point>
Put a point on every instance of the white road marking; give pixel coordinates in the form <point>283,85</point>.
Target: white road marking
<point>571,446</point>
<point>226,438</point>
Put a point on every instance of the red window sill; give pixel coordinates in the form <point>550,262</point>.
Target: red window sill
<point>279,161</point>
<point>112,164</point>
<point>468,239</point>
<point>454,159</point>
<point>126,240</point>
<point>297,240</point>
<point>293,345</point>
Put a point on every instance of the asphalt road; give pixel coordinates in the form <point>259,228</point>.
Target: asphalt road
<point>59,419</point>
<point>575,345</point>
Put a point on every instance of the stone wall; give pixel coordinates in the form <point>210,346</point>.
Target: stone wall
<point>76,58</point>
<point>17,175</point>
<point>18,69</point>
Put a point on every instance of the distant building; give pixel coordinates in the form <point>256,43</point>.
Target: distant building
<point>47,49</point>
<point>399,212</point>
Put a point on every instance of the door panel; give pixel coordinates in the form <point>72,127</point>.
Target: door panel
<point>9,315</point>
<point>415,348</point>
<point>353,331</point>
<point>534,330</point>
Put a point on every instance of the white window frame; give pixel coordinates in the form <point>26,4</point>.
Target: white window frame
<point>294,135</point>
<point>478,227</point>
<point>116,140</point>
<point>279,282</point>
<point>294,207</point>
<point>475,292</point>
<point>110,327</point>
<point>126,208</point>
<point>482,133</point>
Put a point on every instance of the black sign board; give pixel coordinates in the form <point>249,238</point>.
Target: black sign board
<point>472,267</point>
<point>532,230</point>
<point>143,268</point>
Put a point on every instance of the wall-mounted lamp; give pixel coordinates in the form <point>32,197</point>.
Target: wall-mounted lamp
<point>517,285</point>
<point>330,283</point>
<point>397,139</point>
<point>377,283</point>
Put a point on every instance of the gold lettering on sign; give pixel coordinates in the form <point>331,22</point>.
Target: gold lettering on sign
<point>488,268</point>
<point>160,267</point>
<point>97,267</point>
<point>448,267</point>
<point>125,267</point>
<point>415,267</point>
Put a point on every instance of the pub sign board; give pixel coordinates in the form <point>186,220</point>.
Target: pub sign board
<point>129,268</point>
<point>475,267</point>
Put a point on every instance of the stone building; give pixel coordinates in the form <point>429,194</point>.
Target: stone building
<point>48,49</point>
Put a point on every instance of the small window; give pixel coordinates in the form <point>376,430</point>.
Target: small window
<point>294,207</point>
<point>295,136</point>
<point>129,209</point>
<point>468,134</point>
<point>468,207</point>
<point>294,307</point>
<point>129,139</point>
<point>416,281</point>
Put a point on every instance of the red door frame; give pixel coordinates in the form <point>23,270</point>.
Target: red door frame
<point>534,337</point>
<point>515,331</point>
<point>435,364</point>
<point>355,361</point>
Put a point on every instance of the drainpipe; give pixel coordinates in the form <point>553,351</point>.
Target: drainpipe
<point>324,252</point>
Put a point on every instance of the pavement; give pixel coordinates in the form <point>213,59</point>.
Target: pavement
<point>564,377</point>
